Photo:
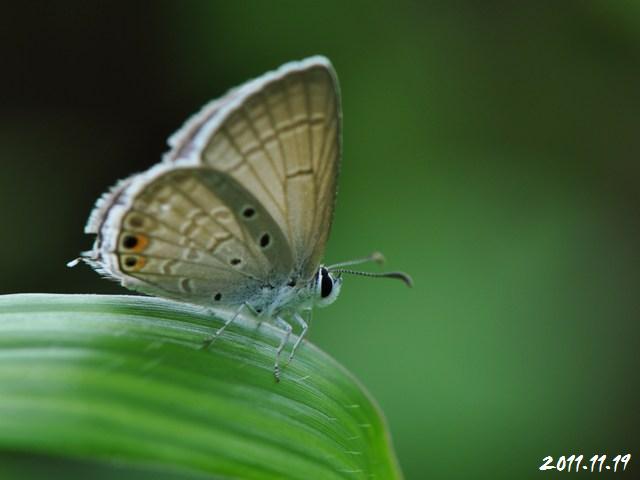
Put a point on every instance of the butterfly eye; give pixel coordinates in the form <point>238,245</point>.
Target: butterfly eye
<point>326,286</point>
<point>326,283</point>
<point>217,297</point>
<point>235,261</point>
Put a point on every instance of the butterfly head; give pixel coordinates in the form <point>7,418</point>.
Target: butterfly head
<point>326,287</point>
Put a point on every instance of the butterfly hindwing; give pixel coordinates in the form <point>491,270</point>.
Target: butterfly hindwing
<point>193,234</point>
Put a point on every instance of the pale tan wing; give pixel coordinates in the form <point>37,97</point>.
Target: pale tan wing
<point>180,140</point>
<point>279,137</point>
<point>187,233</point>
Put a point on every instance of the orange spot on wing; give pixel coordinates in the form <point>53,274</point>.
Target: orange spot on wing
<point>142,261</point>
<point>143,242</point>
<point>133,242</point>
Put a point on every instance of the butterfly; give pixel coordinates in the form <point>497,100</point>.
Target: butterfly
<point>238,212</point>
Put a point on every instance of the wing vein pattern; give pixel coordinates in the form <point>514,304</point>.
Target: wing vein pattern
<point>244,199</point>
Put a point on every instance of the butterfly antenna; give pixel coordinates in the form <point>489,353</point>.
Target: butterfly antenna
<point>399,275</point>
<point>374,257</point>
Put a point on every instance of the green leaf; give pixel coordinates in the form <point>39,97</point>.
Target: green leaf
<point>121,384</point>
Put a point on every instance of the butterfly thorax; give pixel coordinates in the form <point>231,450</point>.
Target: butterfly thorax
<point>321,290</point>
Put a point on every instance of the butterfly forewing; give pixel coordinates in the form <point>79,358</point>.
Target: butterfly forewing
<point>180,141</point>
<point>282,143</point>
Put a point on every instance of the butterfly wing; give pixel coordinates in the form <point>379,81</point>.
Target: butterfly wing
<point>244,199</point>
<point>174,232</point>
<point>279,137</point>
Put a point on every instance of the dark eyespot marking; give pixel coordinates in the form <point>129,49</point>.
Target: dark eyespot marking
<point>130,241</point>
<point>217,297</point>
<point>258,310</point>
<point>265,239</point>
<point>292,282</point>
<point>248,212</point>
<point>235,261</point>
<point>130,261</point>
<point>326,284</point>
<point>136,221</point>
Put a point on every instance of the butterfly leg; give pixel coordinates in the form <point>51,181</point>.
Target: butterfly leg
<point>209,340</point>
<point>285,338</point>
<point>304,326</point>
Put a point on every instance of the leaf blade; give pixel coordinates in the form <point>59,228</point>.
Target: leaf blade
<point>122,377</point>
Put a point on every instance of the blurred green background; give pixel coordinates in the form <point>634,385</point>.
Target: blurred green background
<point>490,149</point>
